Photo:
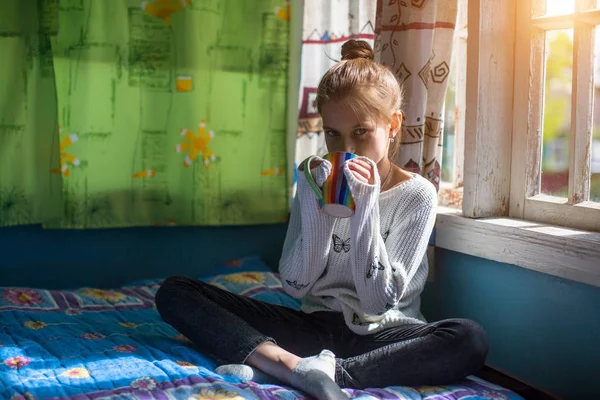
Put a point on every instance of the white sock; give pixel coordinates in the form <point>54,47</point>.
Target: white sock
<point>316,376</point>
<point>247,374</point>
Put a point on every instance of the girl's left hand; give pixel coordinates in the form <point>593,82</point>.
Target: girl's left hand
<point>362,170</point>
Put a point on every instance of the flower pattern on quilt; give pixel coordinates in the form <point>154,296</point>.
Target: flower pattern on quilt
<point>186,364</point>
<point>26,396</point>
<point>92,336</point>
<point>493,395</point>
<point>430,389</point>
<point>125,348</point>
<point>35,325</point>
<point>17,362</point>
<point>22,297</point>
<point>105,295</point>
<point>77,373</point>
<point>128,325</point>
<point>246,278</point>
<point>215,394</point>
<point>146,383</point>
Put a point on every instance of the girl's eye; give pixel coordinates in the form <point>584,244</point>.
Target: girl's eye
<point>361,131</point>
<point>330,133</point>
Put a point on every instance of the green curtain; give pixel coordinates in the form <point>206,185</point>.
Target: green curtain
<point>135,113</point>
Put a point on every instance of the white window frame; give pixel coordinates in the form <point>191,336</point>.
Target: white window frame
<point>504,218</point>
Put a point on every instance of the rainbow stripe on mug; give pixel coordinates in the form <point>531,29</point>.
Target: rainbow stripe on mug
<point>335,198</point>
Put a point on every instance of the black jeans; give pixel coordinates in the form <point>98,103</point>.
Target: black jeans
<point>229,327</point>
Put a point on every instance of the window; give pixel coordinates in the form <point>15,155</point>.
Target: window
<point>530,138</point>
<point>555,168</point>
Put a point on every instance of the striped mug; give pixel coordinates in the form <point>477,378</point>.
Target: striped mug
<point>334,198</point>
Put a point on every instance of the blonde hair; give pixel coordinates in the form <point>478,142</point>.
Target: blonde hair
<point>366,86</point>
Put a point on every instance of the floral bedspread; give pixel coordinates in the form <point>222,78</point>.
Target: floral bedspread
<point>112,344</point>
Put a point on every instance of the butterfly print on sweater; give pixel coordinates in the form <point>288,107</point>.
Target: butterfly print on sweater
<point>339,244</point>
<point>385,235</point>
<point>375,265</point>
<point>296,285</point>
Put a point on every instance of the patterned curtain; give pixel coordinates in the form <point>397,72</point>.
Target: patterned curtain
<point>414,38</point>
<point>143,112</point>
<point>29,192</point>
<point>327,25</point>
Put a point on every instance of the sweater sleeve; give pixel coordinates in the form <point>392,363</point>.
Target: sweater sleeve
<point>308,239</point>
<point>384,268</point>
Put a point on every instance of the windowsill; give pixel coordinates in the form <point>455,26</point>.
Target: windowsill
<point>563,252</point>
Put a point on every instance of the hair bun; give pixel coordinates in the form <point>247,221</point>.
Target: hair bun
<point>353,49</point>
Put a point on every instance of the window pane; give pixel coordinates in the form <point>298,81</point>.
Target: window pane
<point>452,155</point>
<point>557,112</point>
<point>560,7</point>
<point>449,194</point>
<point>595,185</point>
<point>450,191</point>
<point>595,167</point>
<point>449,125</point>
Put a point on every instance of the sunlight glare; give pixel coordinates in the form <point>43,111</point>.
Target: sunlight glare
<point>560,7</point>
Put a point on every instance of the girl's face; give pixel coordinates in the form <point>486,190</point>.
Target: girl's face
<point>359,134</point>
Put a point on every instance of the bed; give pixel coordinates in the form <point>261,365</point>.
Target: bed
<point>90,343</point>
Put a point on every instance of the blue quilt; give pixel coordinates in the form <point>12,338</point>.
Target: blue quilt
<point>90,343</point>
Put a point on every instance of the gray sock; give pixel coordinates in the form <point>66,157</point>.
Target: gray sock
<point>248,374</point>
<point>316,376</point>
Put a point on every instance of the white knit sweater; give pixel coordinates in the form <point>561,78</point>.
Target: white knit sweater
<point>372,266</point>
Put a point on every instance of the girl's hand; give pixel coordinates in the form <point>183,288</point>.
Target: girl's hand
<point>313,164</point>
<point>362,170</point>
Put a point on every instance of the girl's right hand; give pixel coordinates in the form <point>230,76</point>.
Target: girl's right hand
<point>313,164</point>
<point>319,170</point>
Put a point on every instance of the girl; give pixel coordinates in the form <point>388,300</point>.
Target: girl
<point>359,278</point>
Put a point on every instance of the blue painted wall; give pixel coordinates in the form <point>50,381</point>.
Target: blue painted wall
<point>543,330</point>
<point>52,259</point>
